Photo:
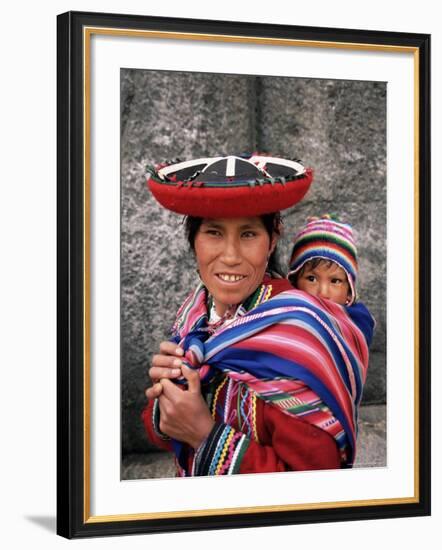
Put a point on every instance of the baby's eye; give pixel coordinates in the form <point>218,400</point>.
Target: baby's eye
<point>311,278</point>
<point>336,281</point>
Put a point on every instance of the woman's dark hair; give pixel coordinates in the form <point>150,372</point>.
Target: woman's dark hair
<point>272,223</point>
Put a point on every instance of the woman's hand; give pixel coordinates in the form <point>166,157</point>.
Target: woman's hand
<point>184,415</point>
<point>166,364</point>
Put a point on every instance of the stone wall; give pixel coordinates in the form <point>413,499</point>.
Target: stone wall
<point>336,127</point>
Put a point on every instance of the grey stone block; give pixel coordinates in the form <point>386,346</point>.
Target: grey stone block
<point>375,390</point>
<point>148,466</point>
<point>372,438</point>
<point>336,127</point>
<point>167,114</point>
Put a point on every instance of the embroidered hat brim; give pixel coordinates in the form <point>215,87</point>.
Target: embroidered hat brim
<point>230,186</point>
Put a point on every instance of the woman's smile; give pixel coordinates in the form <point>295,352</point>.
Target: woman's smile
<point>230,278</point>
<point>232,256</point>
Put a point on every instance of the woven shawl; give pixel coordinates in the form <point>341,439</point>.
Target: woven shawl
<point>305,355</point>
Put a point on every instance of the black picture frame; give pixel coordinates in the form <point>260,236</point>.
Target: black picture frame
<point>73,517</point>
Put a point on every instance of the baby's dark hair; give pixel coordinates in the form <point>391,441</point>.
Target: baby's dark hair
<point>272,223</point>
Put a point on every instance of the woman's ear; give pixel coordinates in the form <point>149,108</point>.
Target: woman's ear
<point>273,243</point>
<point>276,233</point>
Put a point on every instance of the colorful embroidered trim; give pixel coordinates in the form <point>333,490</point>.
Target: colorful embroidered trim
<point>221,452</point>
<point>253,398</point>
<point>215,397</point>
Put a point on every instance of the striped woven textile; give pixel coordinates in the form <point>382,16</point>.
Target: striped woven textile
<point>307,356</point>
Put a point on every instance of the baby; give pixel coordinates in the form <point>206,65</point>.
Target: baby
<point>324,260</point>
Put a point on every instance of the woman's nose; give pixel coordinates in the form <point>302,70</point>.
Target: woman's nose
<point>231,253</point>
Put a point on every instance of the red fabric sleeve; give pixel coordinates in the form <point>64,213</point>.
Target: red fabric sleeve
<point>291,444</point>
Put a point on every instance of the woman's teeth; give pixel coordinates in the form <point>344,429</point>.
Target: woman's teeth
<point>230,278</point>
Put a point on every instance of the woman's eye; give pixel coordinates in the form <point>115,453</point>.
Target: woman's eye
<point>248,234</point>
<point>213,232</point>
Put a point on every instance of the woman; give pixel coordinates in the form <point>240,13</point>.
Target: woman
<point>271,383</point>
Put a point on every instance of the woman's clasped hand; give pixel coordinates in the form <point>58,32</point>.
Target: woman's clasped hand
<point>184,414</point>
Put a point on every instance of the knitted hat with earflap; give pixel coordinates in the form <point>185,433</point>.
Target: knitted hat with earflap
<point>330,239</point>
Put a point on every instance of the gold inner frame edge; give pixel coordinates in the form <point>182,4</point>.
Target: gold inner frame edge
<point>87,33</point>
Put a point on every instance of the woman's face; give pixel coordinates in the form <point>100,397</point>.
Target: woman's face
<point>232,255</point>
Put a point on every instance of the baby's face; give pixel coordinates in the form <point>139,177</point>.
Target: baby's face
<point>325,281</point>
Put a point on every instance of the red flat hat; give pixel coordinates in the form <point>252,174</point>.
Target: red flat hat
<point>229,187</point>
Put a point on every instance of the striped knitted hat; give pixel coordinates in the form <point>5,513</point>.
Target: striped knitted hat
<point>330,239</point>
